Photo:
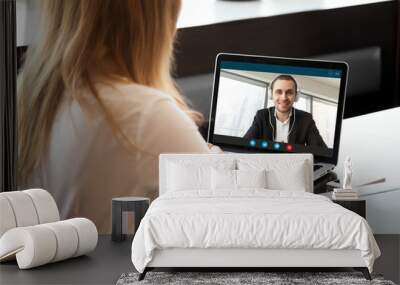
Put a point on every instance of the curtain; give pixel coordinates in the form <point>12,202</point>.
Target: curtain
<point>397,82</point>
<point>8,95</point>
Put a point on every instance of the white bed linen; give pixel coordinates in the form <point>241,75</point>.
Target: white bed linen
<point>251,218</point>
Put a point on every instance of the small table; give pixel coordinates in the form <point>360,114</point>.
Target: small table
<point>358,206</point>
<point>137,205</point>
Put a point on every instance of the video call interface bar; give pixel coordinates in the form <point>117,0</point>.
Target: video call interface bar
<point>263,145</point>
<point>285,69</point>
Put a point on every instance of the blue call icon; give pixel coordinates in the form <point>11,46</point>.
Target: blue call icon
<point>264,144</point>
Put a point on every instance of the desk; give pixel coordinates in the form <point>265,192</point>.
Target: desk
<point>102,266</point>
<point>373,142</point>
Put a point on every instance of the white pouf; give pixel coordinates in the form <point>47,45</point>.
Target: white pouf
<point>37,245</point>
<point>31,232</point>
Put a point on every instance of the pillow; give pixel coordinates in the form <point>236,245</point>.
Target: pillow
<point>181,177</point>
<point>228,179</point>
<point>292,175</point>
<point>290,178</point>
<point>223,179</point>
<point>251,178</point>
<point>198,160</point>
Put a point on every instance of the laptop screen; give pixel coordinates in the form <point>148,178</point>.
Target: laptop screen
<point>265,104</point>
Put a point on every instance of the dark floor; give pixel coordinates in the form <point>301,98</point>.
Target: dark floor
<point>103,266</point>
<point>389,262</point>
<point>110,260</point>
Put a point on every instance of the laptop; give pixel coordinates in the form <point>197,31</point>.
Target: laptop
<point>279,105</point>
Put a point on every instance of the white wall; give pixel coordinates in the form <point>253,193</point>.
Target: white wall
<point>321,87</point>
<point>27,19</point>
<point>373,141</point>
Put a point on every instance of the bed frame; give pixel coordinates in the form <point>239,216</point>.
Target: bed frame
<point>261,259</point>
<point>250,259</point>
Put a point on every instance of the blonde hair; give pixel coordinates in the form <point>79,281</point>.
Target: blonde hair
<point>80,40</point>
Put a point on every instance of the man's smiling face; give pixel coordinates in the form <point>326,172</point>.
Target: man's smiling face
<point>284,95</point>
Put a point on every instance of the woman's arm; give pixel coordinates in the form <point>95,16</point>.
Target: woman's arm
<point>164,128</point>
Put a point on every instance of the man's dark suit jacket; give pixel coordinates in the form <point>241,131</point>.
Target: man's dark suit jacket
<point>304,130</point>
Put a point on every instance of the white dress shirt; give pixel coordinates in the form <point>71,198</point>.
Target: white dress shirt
<point>282,129</point>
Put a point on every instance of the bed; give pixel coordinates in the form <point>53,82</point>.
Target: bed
<point>247,211</point>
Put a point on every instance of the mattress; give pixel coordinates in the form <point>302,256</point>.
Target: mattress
<point>251,219</point>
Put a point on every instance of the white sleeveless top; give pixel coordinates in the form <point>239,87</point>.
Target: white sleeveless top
<point>86,166</point>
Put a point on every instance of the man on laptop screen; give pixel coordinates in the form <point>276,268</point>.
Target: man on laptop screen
<point>282,122</point>
<point>269,104</point>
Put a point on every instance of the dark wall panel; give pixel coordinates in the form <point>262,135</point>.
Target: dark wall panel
<point>308,34</point>
<point>302,35</point>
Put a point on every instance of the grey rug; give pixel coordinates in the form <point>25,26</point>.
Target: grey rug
<point>225,278</point>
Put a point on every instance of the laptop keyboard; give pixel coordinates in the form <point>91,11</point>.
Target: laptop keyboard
<point>316,166</point>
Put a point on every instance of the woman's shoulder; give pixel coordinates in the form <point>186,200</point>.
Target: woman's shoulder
<point>131,93</point>
<point>128,101</point>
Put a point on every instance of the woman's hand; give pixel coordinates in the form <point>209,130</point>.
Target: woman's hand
<point>214,148</point>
